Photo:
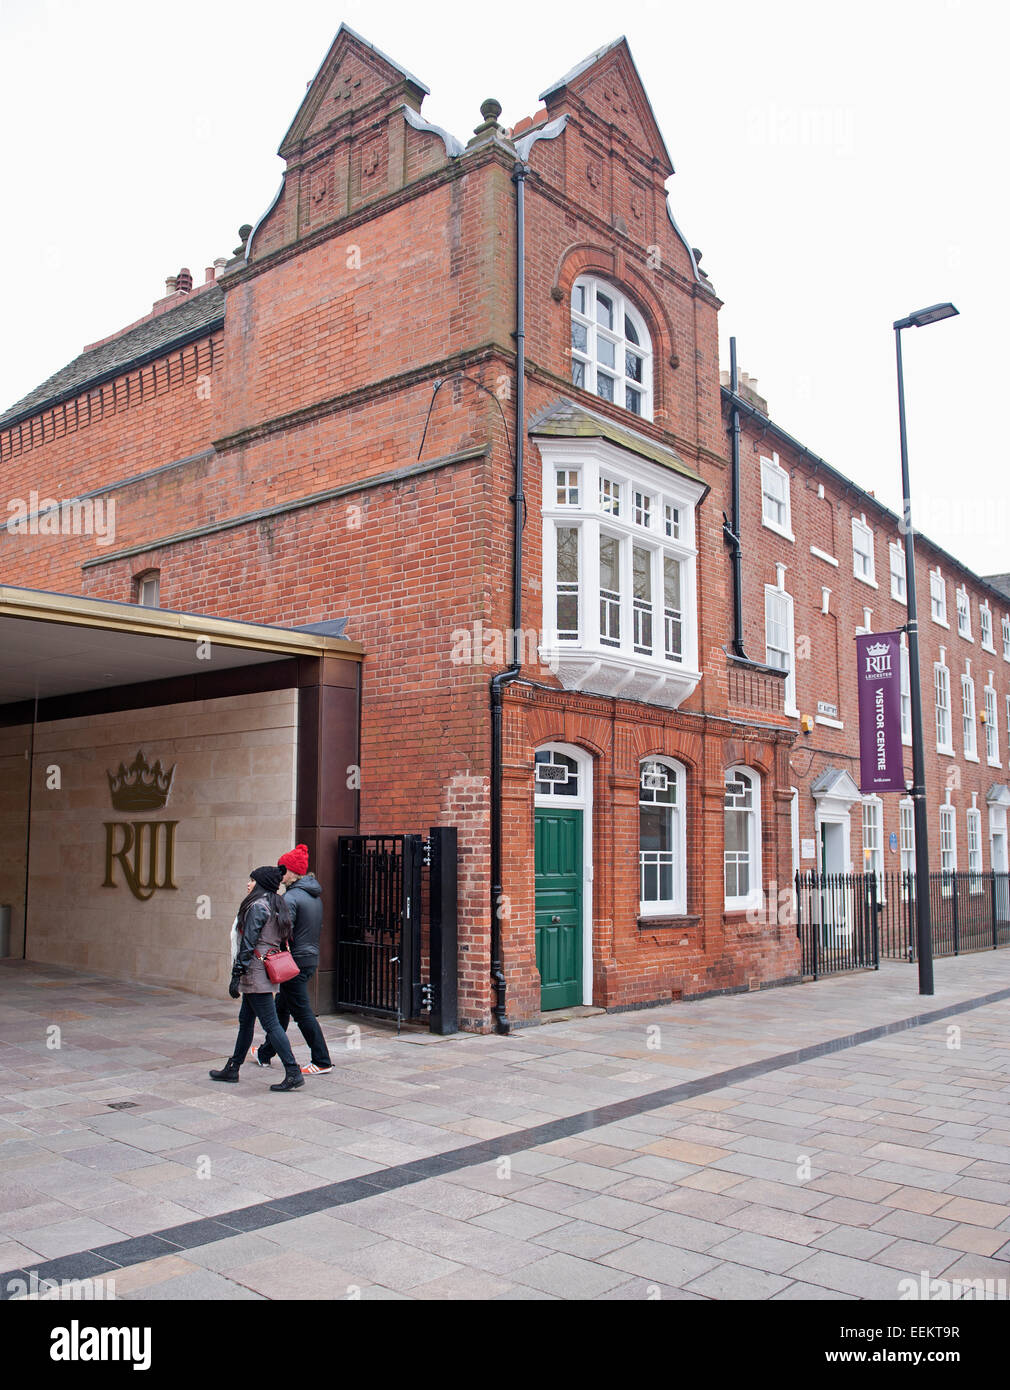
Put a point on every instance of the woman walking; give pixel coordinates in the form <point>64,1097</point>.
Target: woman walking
<point>263,923</point>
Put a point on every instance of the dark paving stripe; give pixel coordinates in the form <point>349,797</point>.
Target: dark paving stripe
<point>177,1239</point>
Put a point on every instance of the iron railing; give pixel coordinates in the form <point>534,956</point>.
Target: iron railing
<point>837,922</point>
<point>850,921</point>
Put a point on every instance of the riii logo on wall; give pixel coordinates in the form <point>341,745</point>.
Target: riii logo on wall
<point>144,849</point>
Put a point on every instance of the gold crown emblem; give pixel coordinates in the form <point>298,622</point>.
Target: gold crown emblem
<point>140,787</point>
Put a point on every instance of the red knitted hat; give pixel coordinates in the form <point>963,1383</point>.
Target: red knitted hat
<point>297,860</point>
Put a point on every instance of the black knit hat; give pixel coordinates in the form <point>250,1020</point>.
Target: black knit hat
<point>268,877</point>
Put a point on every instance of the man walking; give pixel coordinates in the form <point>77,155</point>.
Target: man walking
<point>304,899</point>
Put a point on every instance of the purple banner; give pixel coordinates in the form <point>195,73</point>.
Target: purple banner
<point>881,759</point>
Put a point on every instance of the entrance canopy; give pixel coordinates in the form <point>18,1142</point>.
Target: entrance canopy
<point>61,644</point>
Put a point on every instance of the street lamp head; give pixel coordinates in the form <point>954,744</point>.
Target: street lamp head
<point>921,317</point>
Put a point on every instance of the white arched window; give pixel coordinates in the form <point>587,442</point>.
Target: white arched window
<point>556,774</point>
<point>661,837</point>
<point>611,349</point>
<point>742,849</point>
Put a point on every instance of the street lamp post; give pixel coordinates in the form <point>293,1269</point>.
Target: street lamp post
<point>923,933</point>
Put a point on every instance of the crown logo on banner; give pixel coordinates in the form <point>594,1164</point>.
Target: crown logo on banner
<point>140,787</point>
<point>878,649</point>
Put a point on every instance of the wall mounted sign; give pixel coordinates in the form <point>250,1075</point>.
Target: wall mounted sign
<point>878,677</point>
<point>144,849</point>
<point>828,710</point>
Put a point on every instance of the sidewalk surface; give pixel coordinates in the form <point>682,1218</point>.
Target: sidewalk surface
<point>408,1172</point>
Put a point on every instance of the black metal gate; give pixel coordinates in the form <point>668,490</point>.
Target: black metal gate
<point>378,964</point>
<point>836,922</point>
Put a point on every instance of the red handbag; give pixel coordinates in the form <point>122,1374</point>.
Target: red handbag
<point>279,965</point>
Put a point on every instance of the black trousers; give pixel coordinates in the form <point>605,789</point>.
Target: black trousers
<point>293,1003</point>
<point>262,1007</point>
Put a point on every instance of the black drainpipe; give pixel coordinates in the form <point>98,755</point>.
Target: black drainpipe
<point>731,528</point>
<point>503,678</point>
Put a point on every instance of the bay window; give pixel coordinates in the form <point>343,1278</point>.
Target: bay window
<point>620,608</point>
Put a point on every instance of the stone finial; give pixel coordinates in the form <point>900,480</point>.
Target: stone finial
<point>490,110</point>
<point>244,232</point>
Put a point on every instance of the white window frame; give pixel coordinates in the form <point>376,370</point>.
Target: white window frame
<point>623,308</point>
<point>873,839</point>
<point>865,576</point>
<point>584,660</point>
<point>677,904</point>
<point>906,840</point>
<point>948,844</point>
<point>991,726</point>
<point>898,586</point>
<point>969,732</point>
<point>1006,636</point>
<point>963,612</point>
<point>773,472</point>
<point>941,684</point>
<point>753,898</point>
<point>775,595</point>
<point>905,679</point>
<point>985,627</point>
<point>974,844</point>
<point>938,598</point>
<point>149,589</point>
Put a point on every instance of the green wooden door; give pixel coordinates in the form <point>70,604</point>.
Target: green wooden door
<point>558,869</point>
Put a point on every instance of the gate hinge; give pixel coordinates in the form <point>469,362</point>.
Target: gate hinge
<point>426,852</point>
<point>427,998</point>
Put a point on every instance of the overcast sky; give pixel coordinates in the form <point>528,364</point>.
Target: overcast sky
<point>838,166</point>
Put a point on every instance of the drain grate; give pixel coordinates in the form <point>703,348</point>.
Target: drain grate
<point>122,1105</point>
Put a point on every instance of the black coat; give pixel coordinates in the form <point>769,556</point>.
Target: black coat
<point>304,900</point>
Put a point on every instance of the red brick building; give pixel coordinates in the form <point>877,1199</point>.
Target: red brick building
<point>333,426</point>
<point>828,562</point>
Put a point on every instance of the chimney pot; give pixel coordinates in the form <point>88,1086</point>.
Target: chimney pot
<point>170,284</point>
<point>184,280</point>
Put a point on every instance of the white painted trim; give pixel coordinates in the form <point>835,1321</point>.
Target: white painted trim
<point>823,555</point>
<point>829,723</point>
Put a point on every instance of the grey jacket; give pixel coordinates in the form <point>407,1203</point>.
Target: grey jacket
<point>261,931</point>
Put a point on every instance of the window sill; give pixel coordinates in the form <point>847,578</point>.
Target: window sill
<point>990,650</point>
<point>941,622</point>
<point>779,530</point>
<point>966,635</point>
<point>682,921</point>
<point>971,757</point>
<point>899,598</point>
<point>870,583</point>
<point>946,752</point>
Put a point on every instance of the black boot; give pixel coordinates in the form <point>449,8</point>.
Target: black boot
<point>229,1072</point>
<point>262,1061</point>
<point>292,1080</point>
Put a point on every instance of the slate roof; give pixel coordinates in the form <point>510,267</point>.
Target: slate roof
<point>566,420</point>
<point>193,318</point>
<point>999,581</point>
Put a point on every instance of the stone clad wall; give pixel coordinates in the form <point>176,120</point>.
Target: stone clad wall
<point>14,744</point>
<point>233,796</point>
